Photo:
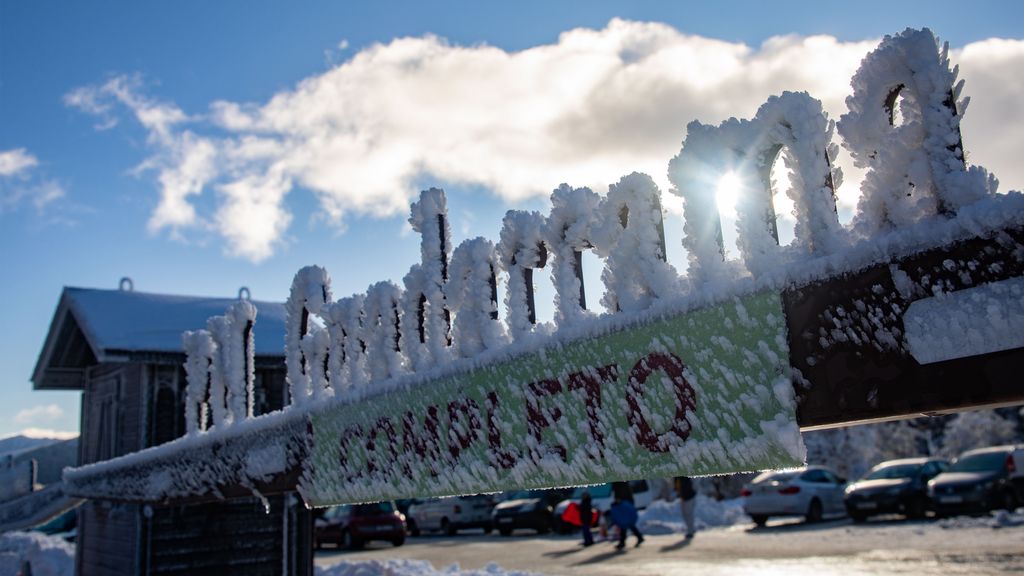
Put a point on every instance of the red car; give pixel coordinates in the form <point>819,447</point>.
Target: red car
<point>352,525</point>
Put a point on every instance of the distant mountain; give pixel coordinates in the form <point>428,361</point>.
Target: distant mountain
<point>14,444</point>
<point>51,459</point>
<point>52,455</point>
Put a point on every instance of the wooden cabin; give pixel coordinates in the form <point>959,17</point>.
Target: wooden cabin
<point>123,350</point>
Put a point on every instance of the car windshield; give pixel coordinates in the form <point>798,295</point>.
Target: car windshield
<point>984,462</point>
<point>893,471</point>
<point>373,509</point>
<point>601,491</point>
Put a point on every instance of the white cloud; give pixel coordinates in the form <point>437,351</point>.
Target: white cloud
<point>42,412</point>
<point>16,162</point>
<point>45,433</point>
<point>586,109</point>
<point>19,183</point>
<point>993,129</point>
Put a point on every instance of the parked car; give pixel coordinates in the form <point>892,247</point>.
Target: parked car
<point>64,525</point>
<point>601,499</point>
<point>893,487</point>
<point>1017,473</point>
<point>812,492</point>
<point>526,509</point>
<point>978,481</point>
<point>449,515</point>
<point>352,525</point>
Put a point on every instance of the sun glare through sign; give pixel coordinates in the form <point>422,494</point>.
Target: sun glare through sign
<point>726,194</point>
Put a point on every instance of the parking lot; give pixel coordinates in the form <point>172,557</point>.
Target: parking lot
<point>989,544</point>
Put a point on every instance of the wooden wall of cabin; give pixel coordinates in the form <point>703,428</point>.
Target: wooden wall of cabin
<point>165,396</point>
<point>240,536</point>
<point>112,416</point>
<point>130,406</point>
<point>237,537</point>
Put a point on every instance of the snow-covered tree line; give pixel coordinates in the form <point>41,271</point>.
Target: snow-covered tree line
<point>446,308</point>
<point>851,451</point>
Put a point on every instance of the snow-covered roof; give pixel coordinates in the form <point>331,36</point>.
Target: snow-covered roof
<point>119,320</point>
<point>118,323</point>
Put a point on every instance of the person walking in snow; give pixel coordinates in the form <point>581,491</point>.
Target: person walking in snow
<point>623,514</point>
<point>622,491</point>
<point>586,517</point>
<point>687,503</point>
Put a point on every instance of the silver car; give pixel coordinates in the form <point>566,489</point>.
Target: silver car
<point>449,515</point>
<point>812,492</point>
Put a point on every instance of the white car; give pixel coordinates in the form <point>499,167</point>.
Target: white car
<point>449,515</point>
<point>1017,472</point>
<point>812,492</point>
<point>601,500</point>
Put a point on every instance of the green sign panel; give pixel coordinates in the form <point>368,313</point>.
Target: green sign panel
<point>702,392</point>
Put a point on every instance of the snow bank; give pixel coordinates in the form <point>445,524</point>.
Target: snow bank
<point>46,555</point>
<point>1000,519</point>
<point>663,517</point>
<point>409,568</point>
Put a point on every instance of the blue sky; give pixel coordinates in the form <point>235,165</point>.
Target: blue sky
<point>201,146</point>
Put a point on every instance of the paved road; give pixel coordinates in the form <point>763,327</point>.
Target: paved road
<point>793,549</point>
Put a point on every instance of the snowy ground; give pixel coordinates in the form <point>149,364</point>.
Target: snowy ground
<point>47,555</point>
<point>726,545</point>
<point>890,545</point>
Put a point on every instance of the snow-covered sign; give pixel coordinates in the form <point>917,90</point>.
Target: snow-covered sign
<point>704,392</point>
<point>428,389</point>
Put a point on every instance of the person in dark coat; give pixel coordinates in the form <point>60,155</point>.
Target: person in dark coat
<point>623,514</point>
<point>687,502</point>
<point>622,491</point>
<point>586,517</point>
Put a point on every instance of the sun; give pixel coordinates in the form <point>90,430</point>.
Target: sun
<point>727,193</point>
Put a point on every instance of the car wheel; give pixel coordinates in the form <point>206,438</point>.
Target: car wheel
<point>543,529</point>
<point>814,511</point>
<point>858,518</point>
<point>917,507</point>
<point>413,528</point>
<point>1009,501</point>
<point>447,527</point>
<point>349,542</point>
<point>505,531</point>
<point>759,519</point>
<point>488,529</point>
<point>561,527</point>
<point>398,541</point>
